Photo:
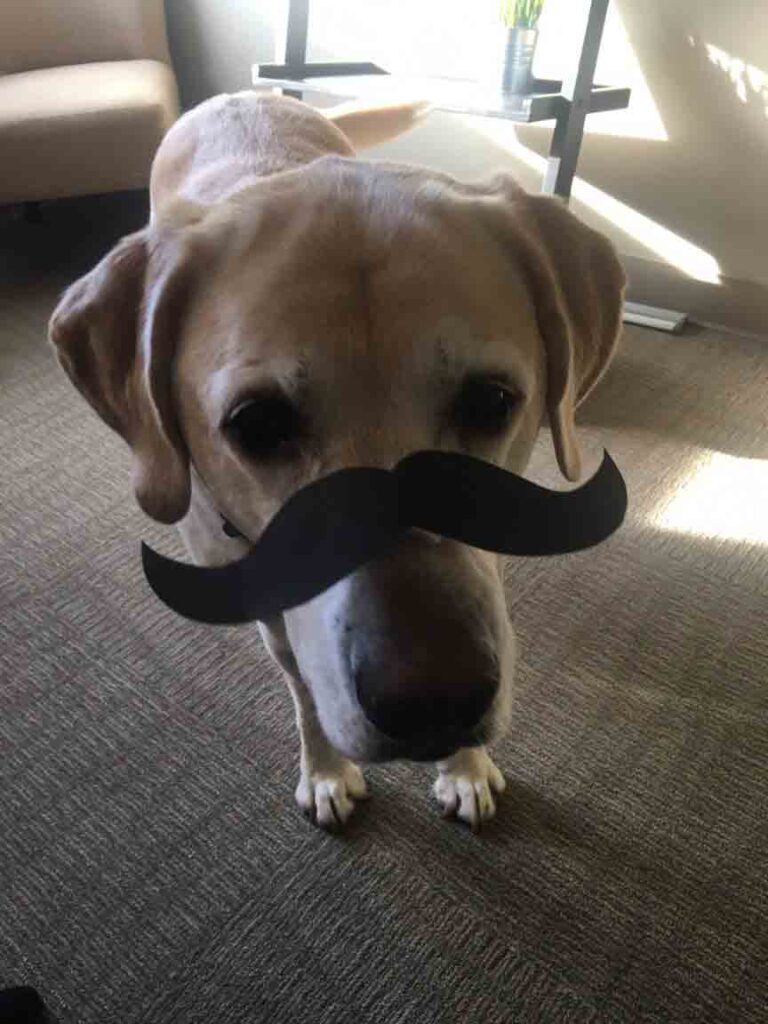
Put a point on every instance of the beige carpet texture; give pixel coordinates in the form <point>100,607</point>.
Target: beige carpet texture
<point>153,866</point>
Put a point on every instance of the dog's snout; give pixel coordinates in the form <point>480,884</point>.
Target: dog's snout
<point>420,650</point>
<point>403,704</point>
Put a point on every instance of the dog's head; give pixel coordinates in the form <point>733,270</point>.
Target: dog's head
<point>346,314</point>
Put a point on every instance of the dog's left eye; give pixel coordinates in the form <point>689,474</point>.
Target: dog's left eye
<point>483,406</point>
<point>265,427</point>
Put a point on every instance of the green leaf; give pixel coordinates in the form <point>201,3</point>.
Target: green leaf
<point>520,13</point>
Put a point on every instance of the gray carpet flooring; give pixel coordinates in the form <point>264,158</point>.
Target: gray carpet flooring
<point>153,867</point>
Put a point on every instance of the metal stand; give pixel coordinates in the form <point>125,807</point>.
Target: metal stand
<point>577,87</point>
<point>567,103</point>
<point>296,66</point>
<point>650,316</point>
<point>296,37</point>
<point>566,146</point>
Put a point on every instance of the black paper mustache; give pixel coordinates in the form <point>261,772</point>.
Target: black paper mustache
<point>338,523</point>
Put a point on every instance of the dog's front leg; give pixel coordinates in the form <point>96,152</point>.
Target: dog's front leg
<point>329,784</point>
<point>465,786</point>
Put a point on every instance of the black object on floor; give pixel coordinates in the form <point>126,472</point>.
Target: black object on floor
<point>23,1005</point>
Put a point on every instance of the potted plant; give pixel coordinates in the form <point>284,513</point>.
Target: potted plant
<point>520,19</point>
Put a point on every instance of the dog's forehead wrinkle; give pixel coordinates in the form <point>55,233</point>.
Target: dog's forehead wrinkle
<point>234,379</point>
<point>462,349</point>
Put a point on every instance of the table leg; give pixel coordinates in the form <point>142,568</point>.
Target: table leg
<point>577,90</point>
<point>296,42</point>
<point>566,146</point>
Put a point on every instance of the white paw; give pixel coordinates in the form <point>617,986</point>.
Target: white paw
<point>327,795</point>
<point>466,784</point>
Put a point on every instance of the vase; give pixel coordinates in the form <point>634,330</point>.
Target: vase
<point>517,65</point>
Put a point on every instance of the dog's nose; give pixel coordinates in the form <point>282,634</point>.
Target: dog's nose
<point>403,704</point>
<point>420,651</point>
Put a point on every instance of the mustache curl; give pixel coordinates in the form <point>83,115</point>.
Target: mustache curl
<point>340,522</point>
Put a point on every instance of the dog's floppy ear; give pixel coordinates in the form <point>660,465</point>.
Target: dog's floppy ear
<point>114,334</point>
<point>577,285</point>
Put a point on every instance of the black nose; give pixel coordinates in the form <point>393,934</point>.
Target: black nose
<point>405,705</point>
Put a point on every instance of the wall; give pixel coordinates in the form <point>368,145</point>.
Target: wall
<point>678,181</point>
<point>214,43</point>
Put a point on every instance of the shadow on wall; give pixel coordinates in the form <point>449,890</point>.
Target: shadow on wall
<point>706,181</point>
<point>214,43</point>
<point>678,186</point>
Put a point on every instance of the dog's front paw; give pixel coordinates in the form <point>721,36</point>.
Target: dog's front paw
<point>466,784</point>
<point>327,794</point>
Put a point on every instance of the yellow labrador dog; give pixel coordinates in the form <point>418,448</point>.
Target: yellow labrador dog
<point>290,310</point>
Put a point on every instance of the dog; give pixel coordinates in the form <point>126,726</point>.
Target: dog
<point>290,310</point>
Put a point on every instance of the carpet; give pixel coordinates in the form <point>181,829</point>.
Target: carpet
<point>153,866</point>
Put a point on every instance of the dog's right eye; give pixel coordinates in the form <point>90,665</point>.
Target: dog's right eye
<point>268,426</point>
<point>483,406</point>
